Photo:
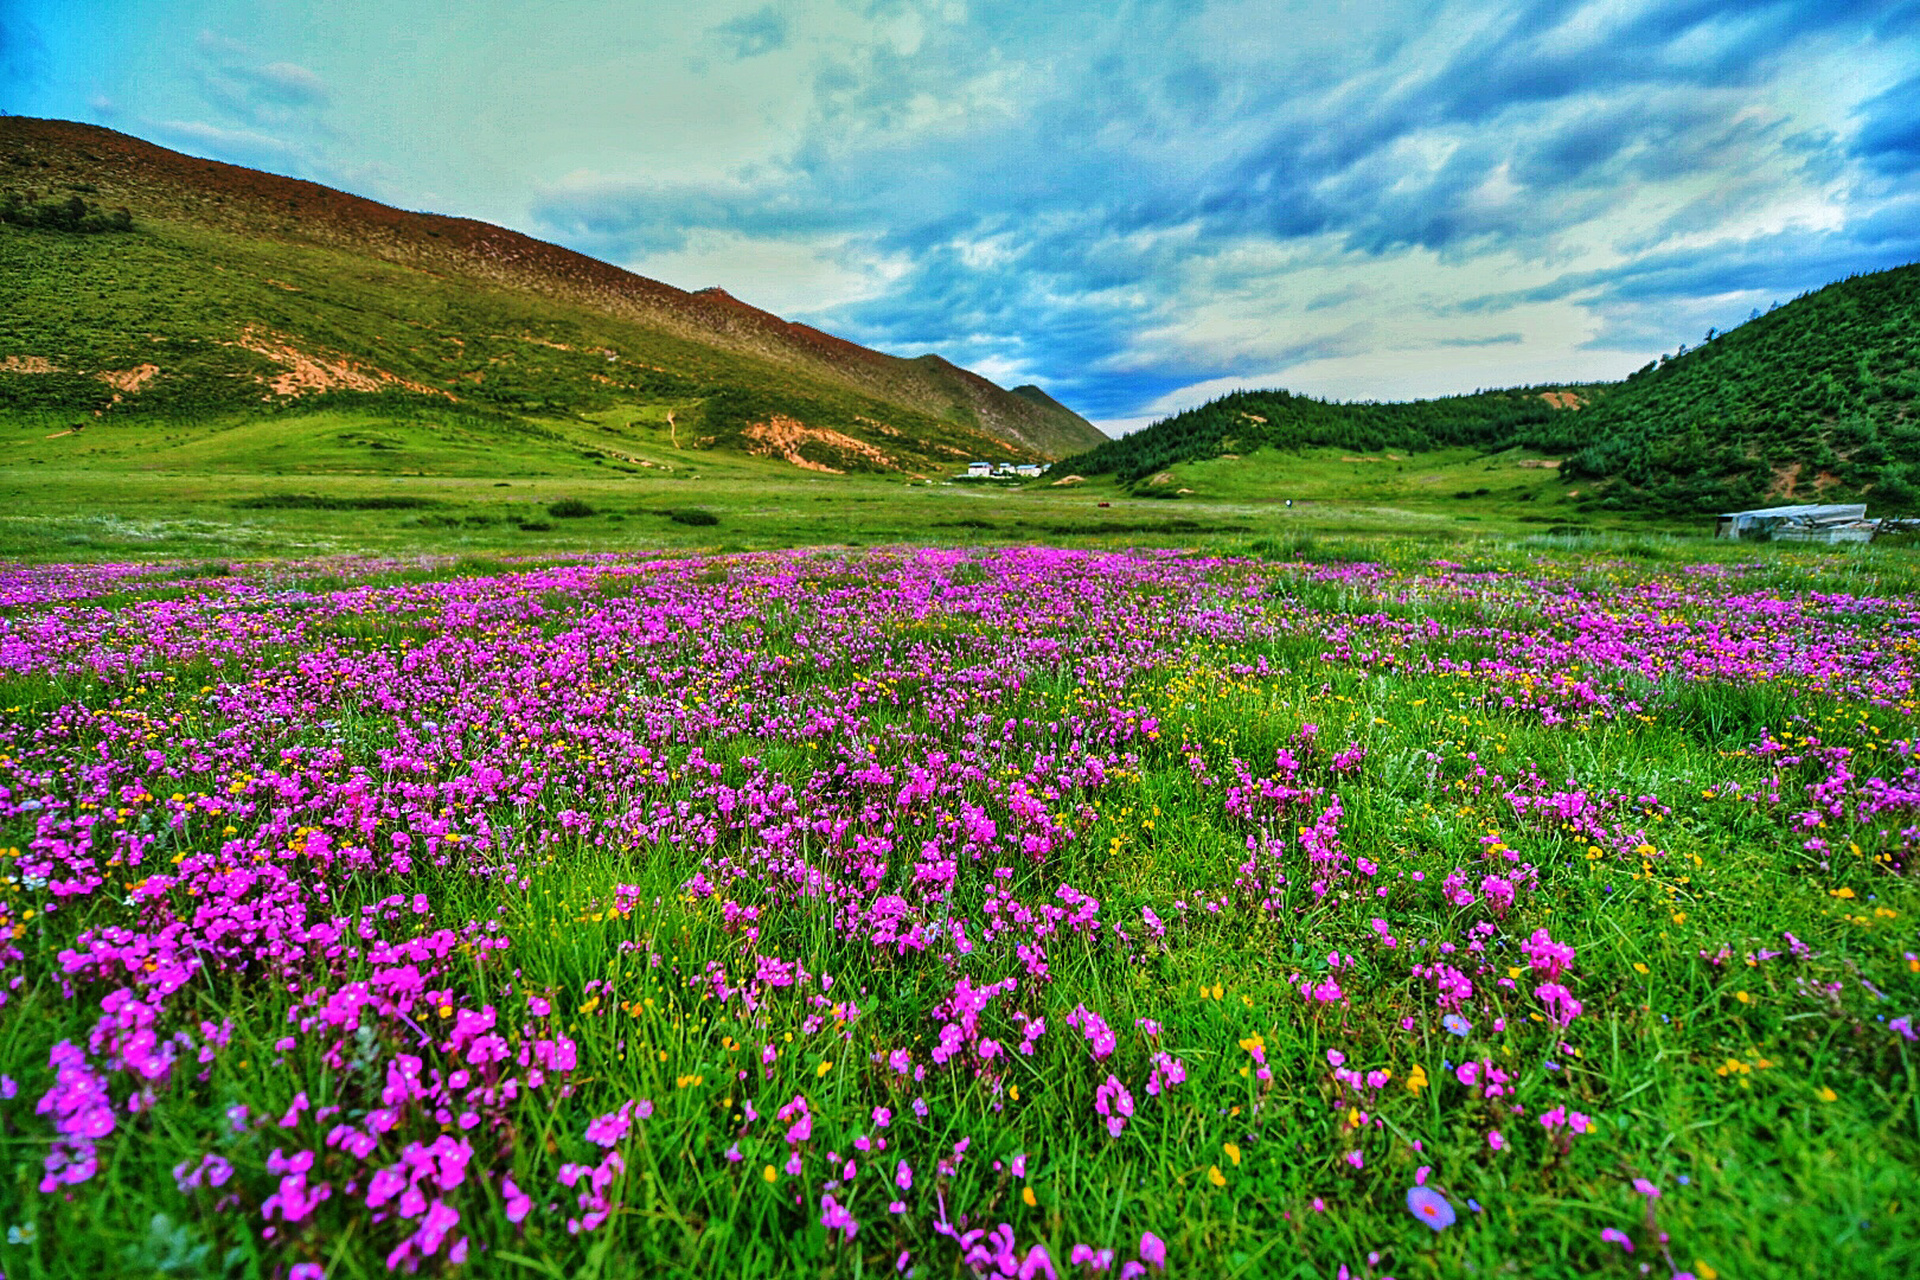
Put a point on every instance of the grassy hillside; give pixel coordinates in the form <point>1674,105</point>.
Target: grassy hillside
<point>1246,421</point>
<point>187,292</point>
<point>1813,401</point>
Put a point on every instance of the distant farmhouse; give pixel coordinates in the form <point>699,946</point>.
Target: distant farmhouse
<point>1813,522</point>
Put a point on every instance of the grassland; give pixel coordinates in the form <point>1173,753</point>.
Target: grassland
<point>1183,908</point>
<point>397,478</point>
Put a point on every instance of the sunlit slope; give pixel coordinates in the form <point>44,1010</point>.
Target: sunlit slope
<point>242,292</point>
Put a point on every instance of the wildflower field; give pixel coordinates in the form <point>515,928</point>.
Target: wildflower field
<point>1014,912</point>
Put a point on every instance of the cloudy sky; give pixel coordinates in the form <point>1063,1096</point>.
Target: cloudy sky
<point>1137,206</point>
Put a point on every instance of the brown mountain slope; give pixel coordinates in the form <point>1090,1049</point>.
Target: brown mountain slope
<point>162,186</point>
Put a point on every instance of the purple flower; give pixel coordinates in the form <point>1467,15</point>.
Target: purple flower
<point>1430,1207</point>
<point>1153,1249</point>
<point>834,1217</point>
<point>519,1203</point>
<point>1612,1236</point>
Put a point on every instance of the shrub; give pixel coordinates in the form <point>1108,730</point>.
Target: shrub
<point>693,515</point>
<point>55,214</point>
<point>569,509</point>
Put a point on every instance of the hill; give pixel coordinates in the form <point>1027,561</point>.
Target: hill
<point>1813,401</point>
<point>138,285</point>
<point>1245,421</point>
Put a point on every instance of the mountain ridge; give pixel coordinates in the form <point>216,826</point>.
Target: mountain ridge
<point>170,190</point>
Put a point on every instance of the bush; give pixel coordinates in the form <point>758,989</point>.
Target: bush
<point>55,214</point>
<point>693,515</point>
<point>569,509</point>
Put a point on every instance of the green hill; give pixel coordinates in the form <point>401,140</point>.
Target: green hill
<point>1815,400</point>
<point>142,290</point>
<point>1245,421</point>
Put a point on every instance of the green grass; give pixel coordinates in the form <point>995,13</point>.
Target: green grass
<point>457,480</point>
<point>1778,1172</point>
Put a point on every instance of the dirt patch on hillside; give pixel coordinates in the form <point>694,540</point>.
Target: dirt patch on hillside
<point>28,364</point>
<point>1785,480</point>
<point>1539,464</point>
<point>309,372</point>
<point>1562,399</point>
<point>1069,480</point>
<point>128,381</point>
<point>783,437</point>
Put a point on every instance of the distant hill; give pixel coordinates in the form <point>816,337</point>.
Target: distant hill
<point>1817,400</point>
<point>1244,421</point>
<point>139,283</point>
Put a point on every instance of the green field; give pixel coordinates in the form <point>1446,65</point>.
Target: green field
<point>385,480</point>
<point>643,917</point>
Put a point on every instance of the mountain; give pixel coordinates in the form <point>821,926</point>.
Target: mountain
<point>1817,400</point>
<point>137,283</point>
<point>1244,421</point>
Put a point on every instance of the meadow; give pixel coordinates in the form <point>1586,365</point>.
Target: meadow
<point>382,479</point>
<point>1002,911</point>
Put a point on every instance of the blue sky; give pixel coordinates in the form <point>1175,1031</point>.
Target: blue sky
<point>1138,206</point>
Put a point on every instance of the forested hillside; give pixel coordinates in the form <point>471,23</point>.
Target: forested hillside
<point>1814,400</point>
<point>1248,420</point>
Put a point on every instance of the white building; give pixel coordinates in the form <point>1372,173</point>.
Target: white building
<point>1808,522</point>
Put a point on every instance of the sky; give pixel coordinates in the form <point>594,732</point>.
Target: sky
<point>1137,206</point>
